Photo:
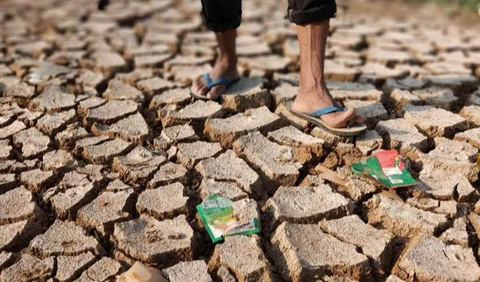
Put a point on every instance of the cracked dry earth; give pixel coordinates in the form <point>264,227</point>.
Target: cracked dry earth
<point>103,155</point>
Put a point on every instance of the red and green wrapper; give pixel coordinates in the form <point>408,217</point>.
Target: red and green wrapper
<point>386,168</point>
<point>219,219</point>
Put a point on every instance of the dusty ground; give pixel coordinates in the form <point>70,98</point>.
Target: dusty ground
<point>103,155</point>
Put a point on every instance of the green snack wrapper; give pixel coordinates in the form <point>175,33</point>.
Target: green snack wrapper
<point>219,219</point>
<point>386,168</point>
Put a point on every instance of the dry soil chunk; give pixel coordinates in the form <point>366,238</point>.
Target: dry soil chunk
<point>305,147</point>
<point>377,72</point>
<point>196,113</point>
<point>443,185</point>
<point>434,122</point>
<point>135,75</point>
<point>269,63</point>
<point>134,128</point>
<point>226,131</point>
<point>154,85</point>
<point>53,98</point>
<point>90,78</point>
<point>369,142</point>
<point>285,92</point>
<point>106,151</point>
<point>20,90</point>
<point>89,103</point>
<point>5,258</point>
<point>163,202</point>
<point>229,168</point>
<point>437,97</point>
<point>243,256</point>
<point>169,173</point>
<point>354,91</point>
<point>138,165</point>
<point>337,71</point>
<point>155,242</point>
<point>175,97</point>
<point>117,90</point>
<point>190,271</point>
<point>402,219</point>
<point>275,161</point>
<point>400,98</point>
<point>6,119</point>
<point>106,210</point>
<point>245,94</point>
<point>36,180</point>
<point>7,182</point>
<point>457,234</point>
<point>373,111</point>
<point>69,267</point>
<point>16,205</point>
<point>471,114</point>
<point>52,123</point>
<point>112,111</point>
<point>453,156</point>
<point>17,234</point>
<point>108,62</point>
<point>101,271</point>
<point>64,238</point>
<point>408,83</point>
<point>394,278</point>
<point>117,186</point>
<point>306,205</point>
<point>402,136</point>
<point>224,275</point>
<point>376,244</point>
<point>229,190</point>
<point>303,252</point>
<point>29,268</point>
<point>66,203</point>
<point>147,61</point>
<point>356,186</point>
<point>179,133</point>
<point>59,160</point>
<point>31,142</point>
<point>189,61</point>
<point>471,136</point>
<point>189,154</point>
<point>11,129</point>
<point>428,259</point>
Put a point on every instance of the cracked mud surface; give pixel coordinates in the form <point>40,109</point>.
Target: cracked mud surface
<point>103,154</point>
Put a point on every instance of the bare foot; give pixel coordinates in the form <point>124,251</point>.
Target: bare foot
<point>309,100</point>
<point>222,69</point>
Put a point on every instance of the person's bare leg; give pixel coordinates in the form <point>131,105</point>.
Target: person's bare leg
<point>313,93</point>
<point>225,65</point>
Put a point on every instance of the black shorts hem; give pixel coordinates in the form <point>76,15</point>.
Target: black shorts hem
<point>316,14</point>
<point>221,26</point>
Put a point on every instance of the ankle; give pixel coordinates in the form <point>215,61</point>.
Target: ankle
<point>318,87</point>
<point>228,61</point>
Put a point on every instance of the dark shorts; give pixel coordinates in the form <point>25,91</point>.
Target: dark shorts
<point>221,15</point>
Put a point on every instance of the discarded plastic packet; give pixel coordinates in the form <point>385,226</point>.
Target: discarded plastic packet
<point>218,217</point>
<point>386,168</point>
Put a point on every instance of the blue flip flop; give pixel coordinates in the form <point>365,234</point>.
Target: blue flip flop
<point>315,118</point>
<point>212,83</point>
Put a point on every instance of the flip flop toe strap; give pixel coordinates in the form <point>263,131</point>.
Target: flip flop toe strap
<point>325,111</point>
<point>221,81</point>
<point>328,110</point>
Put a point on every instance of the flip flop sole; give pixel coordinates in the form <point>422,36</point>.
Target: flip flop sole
<point>199,97</point>
<point>204,98</point>
<point>347,132</point>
